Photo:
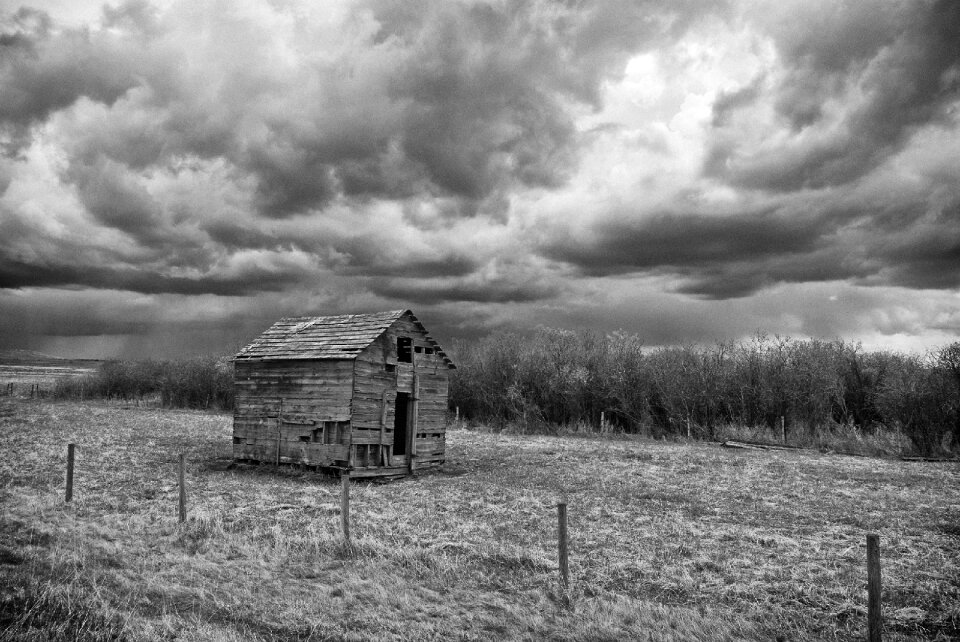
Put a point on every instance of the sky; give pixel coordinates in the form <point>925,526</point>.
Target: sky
<point>176,176</point>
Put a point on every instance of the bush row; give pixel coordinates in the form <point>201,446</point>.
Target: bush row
<point>560,377</point>
<point>201,383</point>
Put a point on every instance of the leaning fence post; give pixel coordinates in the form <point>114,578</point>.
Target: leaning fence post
<point>345,504</point>
<point>70,451</point>
<point>874,618</point>
<point>183,489</point>
<point>562,543</point>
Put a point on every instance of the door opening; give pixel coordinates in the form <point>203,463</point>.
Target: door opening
<point>401,423</point>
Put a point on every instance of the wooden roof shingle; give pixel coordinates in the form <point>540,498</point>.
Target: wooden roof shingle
<point>329,337</point>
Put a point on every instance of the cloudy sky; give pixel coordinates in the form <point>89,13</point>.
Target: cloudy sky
<point>174,176</point>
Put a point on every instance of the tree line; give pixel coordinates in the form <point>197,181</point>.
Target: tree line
<point>200,383</point>
<point>560,377</point>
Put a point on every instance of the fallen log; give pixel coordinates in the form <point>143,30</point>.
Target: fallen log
<point>752,445</point>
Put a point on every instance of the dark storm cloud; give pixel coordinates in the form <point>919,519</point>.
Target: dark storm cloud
<point>685,240</point>
<point>381,252</point>
<point>486,82</point>
<point>444,265</point>
<point>728,102</point>
<point>232,235</point>
<point>860,80</point>
<point>466,99</point>
<point>735,279</point>
<point>482,160</point>
<point>719,256</point>
<point>897,68</point>
<point>73,313</point>
<point>117,201</point>
<point>926,254</point>
<point>41,72</point>
<point>21,274</point>
<point>425,292</point>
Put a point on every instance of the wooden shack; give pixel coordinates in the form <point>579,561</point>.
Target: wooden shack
<point>360,392</point>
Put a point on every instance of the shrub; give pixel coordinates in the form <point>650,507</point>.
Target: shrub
<point>200,383</point>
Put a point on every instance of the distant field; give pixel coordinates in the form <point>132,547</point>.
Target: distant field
<point>18,373</point>
<point>669,541</point>
<point>24,369</point>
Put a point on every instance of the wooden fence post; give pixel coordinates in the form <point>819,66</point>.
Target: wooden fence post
<point>874,618</point>
<point>183,489</point>
<point>345,504</point>
<point>688,426</point>
<point>562,544</point>
<point>70,451</point>
<point>783,430</point>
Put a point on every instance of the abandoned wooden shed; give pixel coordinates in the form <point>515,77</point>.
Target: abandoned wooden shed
<point>359,392</point>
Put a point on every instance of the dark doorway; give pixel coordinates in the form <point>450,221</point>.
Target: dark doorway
<point>400,422</point>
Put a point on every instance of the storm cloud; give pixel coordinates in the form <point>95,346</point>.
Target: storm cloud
<point>491,163</point>
<point>857,80</point>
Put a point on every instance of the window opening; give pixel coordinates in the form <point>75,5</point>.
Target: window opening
<point>404,351</point>
<point>428,350</point>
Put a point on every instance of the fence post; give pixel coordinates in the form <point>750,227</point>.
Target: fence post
<point>688,426</point>
<point>345,504</point>
<point>562,543</point>
<point>183,489</point>
<point>874,618</point>
<point>783,430</point>
<point>69,494</point>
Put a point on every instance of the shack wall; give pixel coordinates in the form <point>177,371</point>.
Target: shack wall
<point>378,377</point>
<point>303,403</point>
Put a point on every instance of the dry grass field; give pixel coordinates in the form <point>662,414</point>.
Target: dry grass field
<point>669,541</point>
<point>24,369</point>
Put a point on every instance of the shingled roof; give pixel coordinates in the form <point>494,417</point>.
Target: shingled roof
<point>333,337</point>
